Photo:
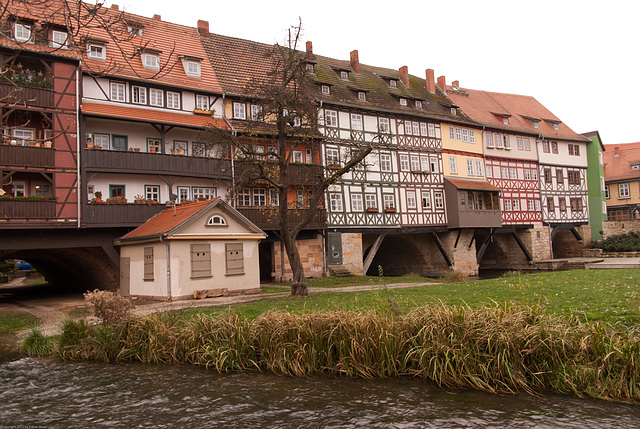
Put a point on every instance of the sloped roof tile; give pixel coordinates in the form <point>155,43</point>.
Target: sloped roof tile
<point>617,160</point>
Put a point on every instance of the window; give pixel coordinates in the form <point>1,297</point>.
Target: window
<point>432,130</point>
<point>244,197</point>
<point>259,197</point>
<point>411,199</point>
<point>152,192</point>
<point>423,129</point>
<point>505,120</point>
<point>356,121</point>
<point>470,171</point>
<point>389,201</point>
<point>22,32</point>
<point>184,193</point>
<point>362,96</point>
<point>173,100</point>
<point>550,204</point>
<point>554,147</point>
<point>560,176</point>
<point>117,91</point>
<point>309,68</point>
<point>151,61</point>
<point>202,102</point>
<point>490,171</point>
<point>308,159</point>
<point>624,190</point>
<point>59,39</point>
<point>335,202</point>
<point>439,200</point>
<point>434,165</point>
<point>407,127</point>
<point>415,163</point>
<point>134,30</point>
<point>216,220</point>
<point>23,136</point>
<point>545,146</point>
<point>148,263</point>
<point>19,188</point>
<point>325,89</point>
<point>139,95</point>
<point>331,118</point>
<point>516,205</point>
<point>101,141</point>
<point>458,134</point>
<point>426,200</point>
<point>383,125</point>
<point>180,147</point>
<point>606,192</point>
<point>497,140</point>
<point>404,162</point>
<point>576,205</point>
<point>507,204</point>
<point>563,204</point>
<point>234,259</point>
<point>416,128</point>
<point>297,156</point>
<point>42,190</point>
<point>465,135</point>
<point>274,197</point>
<point>239,111</point>
<point>453,111</point>
<point>385,162</point>
<point>513,173</point>
<point>479,169</point>
<point>424,163</point>
<point>191,68</point>
<point>418,104</point>
<point>527,174</point>
<point>403,101</point>
<point>333,157</point>
<point>344,74</point>
<point>537,203</point>
<point>507,142</point>
<point>116,191</point>
<point>371,201</point>
<point>393,83</point>
<point>96,51</point>
<point>490,140</point>
<point>520,143</point>
<point>574,150</point>
<point>530,205</point>
<point>156,97</point>
<point>200,260</point>
<point>534,174</point>
<point>504,172</point>
<point>547,175</point>
<point>527,145</point>
<point>119,143</point>
<point>574,177</point>
<point>356,202</point>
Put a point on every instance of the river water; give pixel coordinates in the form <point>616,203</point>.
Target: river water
<point>40,393</point>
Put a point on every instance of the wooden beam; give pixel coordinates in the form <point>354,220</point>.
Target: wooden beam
<point>444,252</point>
<point>522,246</point>
<point>455,246</point>
<point>484,245</point>
<point>575,233</point>
<point>372,253</point>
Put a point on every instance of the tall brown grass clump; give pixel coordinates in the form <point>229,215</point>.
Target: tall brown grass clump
<point>502,348</point>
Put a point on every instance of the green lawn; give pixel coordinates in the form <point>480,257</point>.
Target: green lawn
<point>594,295</point>
<point>16,321</point>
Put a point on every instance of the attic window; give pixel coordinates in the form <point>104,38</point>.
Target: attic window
<point>505,120</point>
<point>635,166</point>
<point>362,95</point>
<point>21,32</point>
<point>134,30</point>
<point>326,90</point>
<point>453,111</point>
<point>59,39</point>
<point>393,84</point>
<point>344,74</point>
<point>403,101</point>
<point>216,220</point>
<point>418,104</point>
<point>310,68</point>
<point>151,60</point>
<point>96,51</point>
<point>556,126</point>
<point>191,67</point>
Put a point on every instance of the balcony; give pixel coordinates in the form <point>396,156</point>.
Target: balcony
<point>267,218</point>
<point>475,219</point>
<point>12,94</point>
<point>26,156</point>
<point>19,210</point>
<point>111,215</point>
<point>299,174</point>
<point>109,161</point>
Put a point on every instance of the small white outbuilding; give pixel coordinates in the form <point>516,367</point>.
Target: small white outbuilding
<point>205,248</point>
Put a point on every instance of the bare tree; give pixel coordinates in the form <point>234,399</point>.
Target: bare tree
<point>287,120</point>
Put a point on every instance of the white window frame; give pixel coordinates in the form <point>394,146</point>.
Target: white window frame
<point>479,168</point>
<point>624,190</point>
<point>297,157</point>
<point>202,102</point>
<point>118,91</point>
<point>415,163</point>
<point>259,197</point>
<point>504,172</point>
<point>362,96</point>
<point>152,192</point>
<point>173,100</point>
<point>335,202</point>
<point>438,199</point>
<point>434,165</point>
<point>453,165</point>
<point>192,68</point>
<point>389,201</point>
<point>490,140</point>
<point>408,127</point>
<point>470,169</point>
<point>59,39</point>
<point>426,199</point>
<point>385,162</point>
<point>256,112</point>
<point>423,129</point>
<point>156,97</point>
<point>325,89</point>
<point>606,192</point>
<point>22,32</point>
<point>404,162</point>
<point>513,173</point>
<point>506,141</point>
<point>206,192</point>
<point>432,130</point>
<point>356,203</point>
<point>527,144</point>
<point>403,101</point>
<point>139,95</point>
<point>344,75</point>
<point>333,156</point>
<point>96,51</point>
<point>331,118</point>
<point>411,200</point>
<point>418,104</point>
<point>274,197</point>
<point>424,163</point>
<point>244,197</point>
<point>371,201</point>
<point>356,122</point>
<point>101,140</point>
<point>416,128</point>
<point>151,61</point>
<point>383,125</point>
<point>239,110</point>
<point>393,83</point>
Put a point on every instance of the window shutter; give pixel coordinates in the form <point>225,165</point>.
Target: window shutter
<point>148,263</point>
<point>200,260</point>
<point>234,258</point>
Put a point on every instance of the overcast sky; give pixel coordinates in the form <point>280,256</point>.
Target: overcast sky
<point>578,58</point>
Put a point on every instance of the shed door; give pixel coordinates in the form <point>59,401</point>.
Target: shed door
<point>125,264</point>
<point>335,248</point>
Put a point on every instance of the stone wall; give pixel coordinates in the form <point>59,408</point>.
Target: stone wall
<point>619,227</point>
<point>565,244</point>
<point>352,259</point>
<point>464,257</point>
<point>310,254</point>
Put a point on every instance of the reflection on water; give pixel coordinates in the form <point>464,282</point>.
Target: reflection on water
<point>80,394</point>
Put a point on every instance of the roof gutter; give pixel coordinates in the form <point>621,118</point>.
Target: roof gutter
<point>232,154</point>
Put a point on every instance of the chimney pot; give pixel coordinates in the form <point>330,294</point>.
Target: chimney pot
<point>203,28</point>
<point>404,75</point>
<point>442,83</point>
<point>431,81</point>
<point>157,17</point>
<point>355,61</point>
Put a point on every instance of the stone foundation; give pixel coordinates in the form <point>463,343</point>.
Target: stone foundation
<point>310,254</point>
<point>619,227</point>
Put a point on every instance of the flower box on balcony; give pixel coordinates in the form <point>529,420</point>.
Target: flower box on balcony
<point>333,166</point>
<point>202,112</point>
<point>389,210</point>
<point>372,210</point>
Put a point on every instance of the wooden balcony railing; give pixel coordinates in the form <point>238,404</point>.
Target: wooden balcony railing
<point>299,174</point>
<point>155,163</point>
<point>26,96</point>
<point>267,217</point>
<point>27,210</point>
<point>26,156</point>
<point>107,215</point>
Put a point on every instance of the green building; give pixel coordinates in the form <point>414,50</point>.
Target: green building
<point>595,184</point>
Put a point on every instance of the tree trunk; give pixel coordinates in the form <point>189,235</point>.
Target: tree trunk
<point>299,284</point>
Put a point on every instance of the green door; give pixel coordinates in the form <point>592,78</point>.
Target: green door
<point>335,248</point>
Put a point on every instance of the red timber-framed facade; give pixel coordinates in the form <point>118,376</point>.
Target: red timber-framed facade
<point>238,65</point>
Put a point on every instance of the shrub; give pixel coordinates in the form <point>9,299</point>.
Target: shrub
<point>621,243</point>
<point>107,306</point>
<point>8,267</point>
<point>454,277</point>
<point>36,344</point>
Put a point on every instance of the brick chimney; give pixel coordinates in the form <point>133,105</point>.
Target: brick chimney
<point>157,17</point>
<point>309,48</point>
<point>355,61</point>
<point>431,81</point>
<point>442,83</point>
<point>114,7</point>
<point>203,28</point>
<point>404,75</point>
<point>616,151</point>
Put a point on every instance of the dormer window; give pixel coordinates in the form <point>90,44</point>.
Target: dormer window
<point>134,30</point>
<point>393,84</point>
<point>310,68</point>
<point>454,111</point>
<point>151,60</point>
<point>344,74</point>
<point>59,39</point>
<point>505,120</point>
<point>216,220</point>
<point>403,101</point>
<point>556,126</point>
<point>21,32</point>
<point>418,104</point>
<point>326,90</point>
<point>191,67</point>
<point>96,51</point>
<point>362,96</point>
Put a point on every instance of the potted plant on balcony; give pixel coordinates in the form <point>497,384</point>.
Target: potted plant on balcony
<point>120,199</point>
<point>390,209</point>
<point>140,199</point>
<point>372,209</point>
<point>98,197</point>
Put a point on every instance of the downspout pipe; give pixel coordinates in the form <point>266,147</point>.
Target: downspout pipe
<point>233,152</point>
<point>79,140</point>
<point>168,256</point>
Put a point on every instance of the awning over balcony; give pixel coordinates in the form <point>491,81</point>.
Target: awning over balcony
<point>472,185</point>
<point>111,111</point>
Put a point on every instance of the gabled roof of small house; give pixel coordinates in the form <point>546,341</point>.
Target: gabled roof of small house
<point>476,185</point>
<point>618,159</point>
<point>173,219</point>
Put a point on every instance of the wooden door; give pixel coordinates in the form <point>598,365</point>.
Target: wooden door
<point>125,266</point>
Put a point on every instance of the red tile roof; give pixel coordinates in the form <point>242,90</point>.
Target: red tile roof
<point>168,219</point>
<point>618,159</point>
<point>148,115</point>
<point>472,184</point>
